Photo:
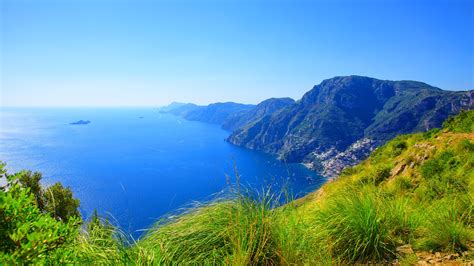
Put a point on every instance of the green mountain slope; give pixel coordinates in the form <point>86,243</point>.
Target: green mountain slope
<point>230,116</point>
<point>341,120</point>
<point>267,107</point>
<point>179,109</point>
<point>216,113</point>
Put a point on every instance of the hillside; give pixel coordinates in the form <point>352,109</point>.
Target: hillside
<point>409,202</point>
<point>180,109</point>
<point>231,116</point>
<point>340,121</point>
<point>216,113</point>
<point>267,107</point>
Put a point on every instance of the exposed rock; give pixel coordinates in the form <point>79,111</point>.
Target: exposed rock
<point>405,250</point>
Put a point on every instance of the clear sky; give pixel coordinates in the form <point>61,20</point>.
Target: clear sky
<point>131,53</point>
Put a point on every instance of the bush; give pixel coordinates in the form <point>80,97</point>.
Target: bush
<point>466,146</point>
<point>462,123</point>
<point>440,175</point>
<point>60,203</point>
<point>57,200</point>
<point>30,236</point>
<point>397,146</point>
<point>381,174</point>
<point>432,133</point>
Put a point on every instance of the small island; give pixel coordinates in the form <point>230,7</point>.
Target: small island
<point>81,122</point>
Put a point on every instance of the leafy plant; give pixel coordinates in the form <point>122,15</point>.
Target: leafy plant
<point>30,236</point>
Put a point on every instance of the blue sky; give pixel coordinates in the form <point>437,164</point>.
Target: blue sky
<point>132,53</point>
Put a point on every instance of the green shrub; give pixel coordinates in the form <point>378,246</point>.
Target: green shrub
<point>461,123</point>
<point>466,146</point>
<point>57,200</point>
<point>403,184</point>
<point>397,146</point>
<point>30,236</point>
<point>381,174</point>
<point>431,133</point>
<point>440,176</point>
<point>60,203</point>
<point>31,180</point>
<point>348,171</point>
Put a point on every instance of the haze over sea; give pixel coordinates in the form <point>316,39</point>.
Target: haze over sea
<point>135,164</point>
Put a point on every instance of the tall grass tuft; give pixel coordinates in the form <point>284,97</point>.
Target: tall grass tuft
<point>294,239</point>
<point>101,242</point>
<point>449,227</point>
<point>403,218</point>
<point>354,226</point>
<point>233,231</point>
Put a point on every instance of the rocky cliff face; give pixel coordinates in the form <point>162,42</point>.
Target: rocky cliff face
<point>341,120</point>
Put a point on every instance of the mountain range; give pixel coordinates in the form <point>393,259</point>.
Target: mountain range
<point>334,125</point>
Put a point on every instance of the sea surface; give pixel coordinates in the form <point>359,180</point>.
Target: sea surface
<point>136,165</point>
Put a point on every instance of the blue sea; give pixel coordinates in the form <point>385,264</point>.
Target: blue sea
<point>136,165</point>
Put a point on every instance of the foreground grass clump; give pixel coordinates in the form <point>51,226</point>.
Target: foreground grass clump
<point>451,226</point>
<point>355,226</point>
<point>235,231</point>
<point>412,196</point>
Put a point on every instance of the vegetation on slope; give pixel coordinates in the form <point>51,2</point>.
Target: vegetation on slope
<point>411,197</point>
<point>341,111</point>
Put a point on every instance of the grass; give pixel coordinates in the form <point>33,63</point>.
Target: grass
<point>236,231</point>
<point>354,227</point>
<point>450,226</point>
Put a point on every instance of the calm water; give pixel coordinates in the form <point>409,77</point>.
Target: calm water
<point>136,169</point>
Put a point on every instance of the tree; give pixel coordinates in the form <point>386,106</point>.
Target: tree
<point>29,235</point>
<point>56,200</point>
<point>60,203</point>
<point>30,180</point>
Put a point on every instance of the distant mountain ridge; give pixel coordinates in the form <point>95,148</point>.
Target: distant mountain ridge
<point>267,107</point>
<point>339,122</point>
<point>217,113</point>
<point>231,116</point>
